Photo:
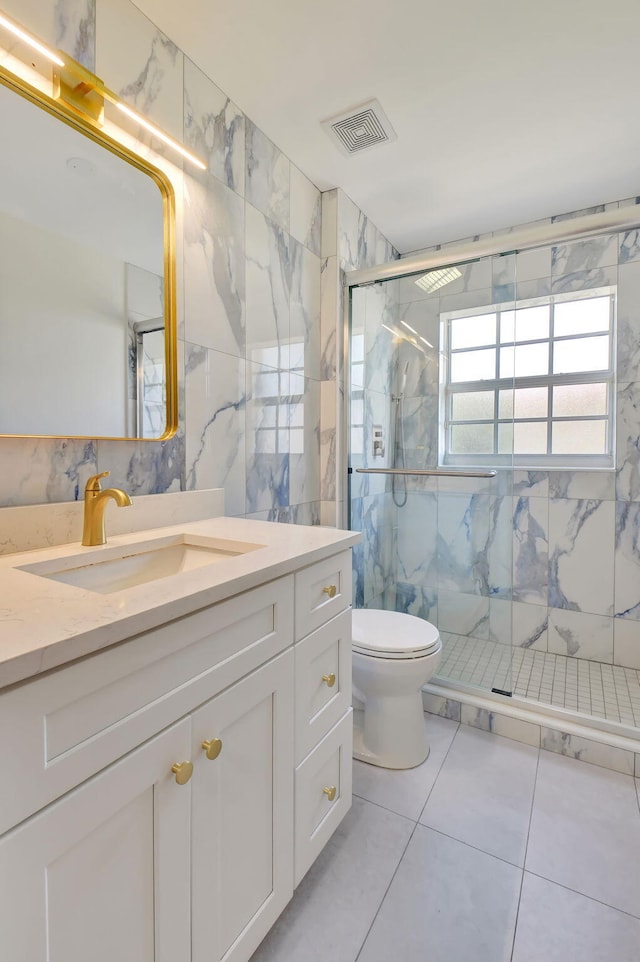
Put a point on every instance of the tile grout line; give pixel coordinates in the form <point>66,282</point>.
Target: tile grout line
<point>416,823</point>
<point>526,850</point>
<point>590,898</point>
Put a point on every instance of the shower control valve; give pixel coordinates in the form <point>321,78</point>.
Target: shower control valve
<point>378,441</point>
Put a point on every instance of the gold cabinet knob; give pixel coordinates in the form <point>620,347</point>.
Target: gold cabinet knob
<point>183,772</point>
<point>330,590</point>
<point>330,679</point>
<point>330,792</point>
<point>212,748</point>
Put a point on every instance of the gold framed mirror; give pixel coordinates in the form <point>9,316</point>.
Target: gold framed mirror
<point>88,343</point>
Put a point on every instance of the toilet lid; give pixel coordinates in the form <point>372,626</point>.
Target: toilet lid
<point>392,634</point>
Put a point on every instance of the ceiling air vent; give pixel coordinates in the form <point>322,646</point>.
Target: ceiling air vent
<point>360,128</point>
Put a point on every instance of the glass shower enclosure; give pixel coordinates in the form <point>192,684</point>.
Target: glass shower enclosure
<point>493,469</point>
<point>427,475</point>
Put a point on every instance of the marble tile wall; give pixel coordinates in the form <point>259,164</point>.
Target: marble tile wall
<point>252,359</point>
<point>548,560</point>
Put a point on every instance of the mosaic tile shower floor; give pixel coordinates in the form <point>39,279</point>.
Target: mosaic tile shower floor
<point>588,687</point>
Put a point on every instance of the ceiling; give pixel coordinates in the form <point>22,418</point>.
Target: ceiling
<point>506,111</point>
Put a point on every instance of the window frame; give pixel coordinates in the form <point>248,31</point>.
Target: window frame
<point>497,384</point>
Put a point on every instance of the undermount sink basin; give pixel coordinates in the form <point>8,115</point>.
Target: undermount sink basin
<point>123,566</point>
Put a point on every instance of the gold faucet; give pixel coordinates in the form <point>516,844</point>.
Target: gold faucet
<point>95,501</point>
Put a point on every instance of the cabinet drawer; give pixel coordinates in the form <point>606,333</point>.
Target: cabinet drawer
<point>321,700</point>
<point>316,815</point>
<point>71,723</point>
<point>323,590</point>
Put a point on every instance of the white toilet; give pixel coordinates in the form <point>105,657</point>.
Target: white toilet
<point>394,655</point>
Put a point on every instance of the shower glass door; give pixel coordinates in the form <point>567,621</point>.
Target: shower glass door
<point>431,367</point>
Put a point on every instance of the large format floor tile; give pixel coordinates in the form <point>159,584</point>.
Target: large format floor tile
<point>405,792</point>
<point>557,925</point>
<point>483,794</point>
<point>447,903</point>
<point>585,831</point>
<point>337,900</point>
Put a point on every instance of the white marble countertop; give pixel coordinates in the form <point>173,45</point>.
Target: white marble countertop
<point>45,623</point>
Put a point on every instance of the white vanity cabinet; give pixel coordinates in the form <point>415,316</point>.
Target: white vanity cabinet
<point>110,850</point>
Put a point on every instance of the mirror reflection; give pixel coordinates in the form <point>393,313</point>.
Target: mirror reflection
<point>82,312</point>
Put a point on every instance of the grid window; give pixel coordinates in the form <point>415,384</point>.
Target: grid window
<point>533,382</point>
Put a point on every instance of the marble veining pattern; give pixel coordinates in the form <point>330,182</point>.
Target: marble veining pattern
<point>267,176</point>
<point>75,29</point>
<point>213,128</point>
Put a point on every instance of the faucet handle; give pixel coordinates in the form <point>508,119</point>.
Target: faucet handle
<point>93,484</point>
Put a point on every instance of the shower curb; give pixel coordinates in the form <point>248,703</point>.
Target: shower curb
<point>552,729</point>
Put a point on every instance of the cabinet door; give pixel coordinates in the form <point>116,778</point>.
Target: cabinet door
<point>104,873</point>
<point>242,838</point>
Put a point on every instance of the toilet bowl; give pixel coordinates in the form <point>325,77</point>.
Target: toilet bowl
<point>394,655</point>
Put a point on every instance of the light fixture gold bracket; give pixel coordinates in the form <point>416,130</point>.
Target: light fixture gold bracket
<point>79,89</point>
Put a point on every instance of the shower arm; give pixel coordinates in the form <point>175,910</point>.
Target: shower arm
<point>431,472</point>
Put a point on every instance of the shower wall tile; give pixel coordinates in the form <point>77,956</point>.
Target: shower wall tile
<point>628,442</point>
<point>628,320</point>
<point>533,265</point>
<point>438,705</point>
<point>213,128</point>
<point>530,626</point>
<point>581,531</point>
<point>306,211</point>
<point>418,540</point>
<point>531,550</point>
<point>629,241</point>
<point>419,418</point>
<point>626,643</point>
<point>581,635</point>
<point>141,64</point>
<point>267,176</point>
<point>215,444</point>
<point>518,624</point>
<point>417,599</point>
<point>463,541</point>
<point>532,484</point>
<point>627,560</point>
<point>598,485</point>
<point>214,267</point>
<point>499,548</point>
<point>463,614</point>
<point>584,280</point>
<point>587,255</point>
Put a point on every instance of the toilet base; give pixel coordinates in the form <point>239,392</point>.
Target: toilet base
<point>416,756</point>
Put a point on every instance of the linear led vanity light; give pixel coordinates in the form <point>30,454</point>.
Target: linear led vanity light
<point>408,327</point>
<point>31,41</point>
<point>436,279</point>
<point>428,343</point>
<point>165,138</point>
<point>85,93</point>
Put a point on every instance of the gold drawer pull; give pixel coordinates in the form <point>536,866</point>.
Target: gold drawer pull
<point>330,679</point>
<point>212,748</point>
<point>330,590</point>
<point>330,792</point>
<point>183,772</point>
